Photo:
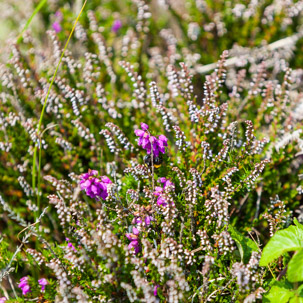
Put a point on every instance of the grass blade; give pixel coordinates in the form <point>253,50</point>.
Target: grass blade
<point>43,110</point>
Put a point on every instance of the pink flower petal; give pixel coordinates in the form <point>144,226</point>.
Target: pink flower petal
<point>144,126</point>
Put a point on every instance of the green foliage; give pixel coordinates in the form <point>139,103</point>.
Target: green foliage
<point>283,292</point>
<point>295,268</point>
<point>245,245</point>
<point>234,152</point>
<point>289,239</point>
<point>279,292</point>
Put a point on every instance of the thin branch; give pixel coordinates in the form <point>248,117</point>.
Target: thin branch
<point>259,193</point>
<point>219,289</point>
<point>249,55</point>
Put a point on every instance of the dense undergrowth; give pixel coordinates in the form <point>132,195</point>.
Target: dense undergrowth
<point>157,178</point>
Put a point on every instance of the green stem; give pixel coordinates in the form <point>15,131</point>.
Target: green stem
<point>37,9</point>
<point>39,179</point>
<point>43,110</point>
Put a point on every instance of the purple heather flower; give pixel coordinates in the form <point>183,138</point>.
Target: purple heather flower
<point>162,180</point>
<point>23,281</point>
<point>150,143</point>
<point>106,180</point>
<point>156,290</point>
<point>144,139</point>
<point>144,126</point>
<point>26,289</point>
<point>116,26</point>
<point>137,220</point>
<point>159,145</point>
<point>134,245</point>
<point>147,220</point>
<point>166,182</point>
<point>159,191</point>
<point>59,16</point>
<point>156,148</point>
<point>136,231</point>
<point>93,186</point>
<point>161,201</point>
<point>69,244</point>
<point>90,173</point>
<point>133,237</point>
<point>57,27</point>
<point>2,300</point>
<point>24,285</point>
<point>43,282</point>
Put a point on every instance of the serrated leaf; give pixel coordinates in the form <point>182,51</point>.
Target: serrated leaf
<point>279,292</point>
<point>289,239</point>
<point>245,245</point>
<point>295,268</point>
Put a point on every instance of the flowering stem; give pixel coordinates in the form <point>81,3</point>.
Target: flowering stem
<point>152,161</point>
<point>259,193</point>
<point>273,275</point>
<point>12,286</point>
<point>181,230</point>
<point>192,221</point>
<point>39,179</point>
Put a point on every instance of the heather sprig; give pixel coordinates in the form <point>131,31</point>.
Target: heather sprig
<point>94,186</point>
<point>151,144</point>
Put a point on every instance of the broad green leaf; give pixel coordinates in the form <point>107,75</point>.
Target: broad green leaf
<point>245,245</point>
<point>295,268</point>
<point>296,300</point>
<point>300,290</point>
<point>279,292</point>
<point>298,224</point>
<point>289,239</point>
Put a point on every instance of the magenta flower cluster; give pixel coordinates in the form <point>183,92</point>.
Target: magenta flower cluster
<point>69,244</point>
<point>116,26</point>
<point>156,290</point>
<point>147,220</point>
<point>151,143</point>
<point>2,299</point>
<point>141,220</point>
<point>94,186</point>
<point>160,190</point>
<point>56,25</point>
<point>43,282</point>
<point>134,240</point>
<point>24,285</point>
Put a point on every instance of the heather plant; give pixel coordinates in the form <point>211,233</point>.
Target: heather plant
<point>136,168</point>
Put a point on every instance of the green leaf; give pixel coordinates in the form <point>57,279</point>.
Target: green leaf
<point>279,292</point>
<point>289,239</point>
<point>298,224</point>
<point>295,268</point>
<point>245,245</point>
<point>37,9</point>
<point>300,290</point>
<point>296,300</point>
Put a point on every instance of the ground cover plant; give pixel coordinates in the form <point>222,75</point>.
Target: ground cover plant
<point>151,151</point>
